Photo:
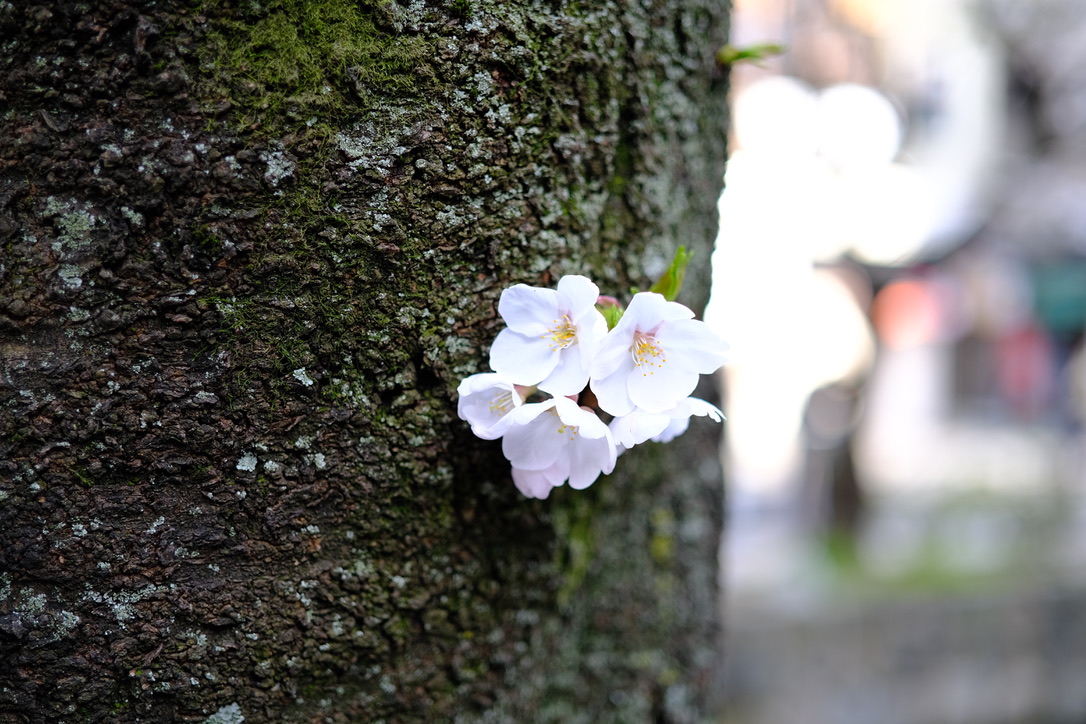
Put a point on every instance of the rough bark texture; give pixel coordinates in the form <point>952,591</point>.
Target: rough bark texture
<point>248,251</point>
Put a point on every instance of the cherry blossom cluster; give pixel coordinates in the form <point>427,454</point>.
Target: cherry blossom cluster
<point>558,367</point>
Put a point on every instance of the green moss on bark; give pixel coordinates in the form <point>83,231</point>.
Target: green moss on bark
<point>290,58</point>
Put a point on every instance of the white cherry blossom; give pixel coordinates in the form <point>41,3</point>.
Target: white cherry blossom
<point>551,335</point>
<point>640,426</point>
<point>556,342</point>
<point>485,403</point>
<point>653,357</point>
<point>554,441</point>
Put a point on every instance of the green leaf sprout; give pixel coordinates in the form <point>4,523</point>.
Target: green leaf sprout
<point>671,281</point>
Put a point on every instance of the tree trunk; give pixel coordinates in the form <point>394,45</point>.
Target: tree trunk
<point>249,249</point>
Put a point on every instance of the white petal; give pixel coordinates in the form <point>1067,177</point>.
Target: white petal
<point>495,430</point>
<point>617,435</point>
<point>558,473</point>
<point>701,408</point>
<point>613,350</point>
<point>485,400</point>
<point>588,458</point>
<point>529,310</point>
<point>524,360</point>
<point>681,414</point>
<point>612,392</point>
<point>587,422</point>
<point>569,376</point>
<point>526,413</point>
<point>650,309</point>
<point>576,295</point>
<point>532,483</point>
<point>693,345</point>
<point>591,330</point>
<point>661,389</point>
<point>478,383</point>
<point>638,426</point>
<point>537,444</point>
<point>676,426</point>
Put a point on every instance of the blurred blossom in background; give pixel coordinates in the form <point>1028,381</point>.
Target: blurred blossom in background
<point>901,271</point>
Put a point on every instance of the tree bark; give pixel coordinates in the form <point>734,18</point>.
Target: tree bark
<point>249,249</point>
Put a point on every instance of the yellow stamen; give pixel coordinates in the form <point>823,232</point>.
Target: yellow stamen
<point>647,353</point>
<point>563,428</point>
<point>562,333</point>
<point>571,429</point>
<point>502,403</point>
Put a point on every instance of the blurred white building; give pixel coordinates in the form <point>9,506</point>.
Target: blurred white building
<point>901,270</point>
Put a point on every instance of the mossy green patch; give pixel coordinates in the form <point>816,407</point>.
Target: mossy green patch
<point>573,524</point>
<point>294,57</point>
<point>83,476</point>
<point>297,72</point>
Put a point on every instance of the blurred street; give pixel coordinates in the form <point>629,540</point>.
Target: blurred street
<point>901,270</point>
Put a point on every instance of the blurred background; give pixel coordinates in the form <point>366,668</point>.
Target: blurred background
<point>901,271</point>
